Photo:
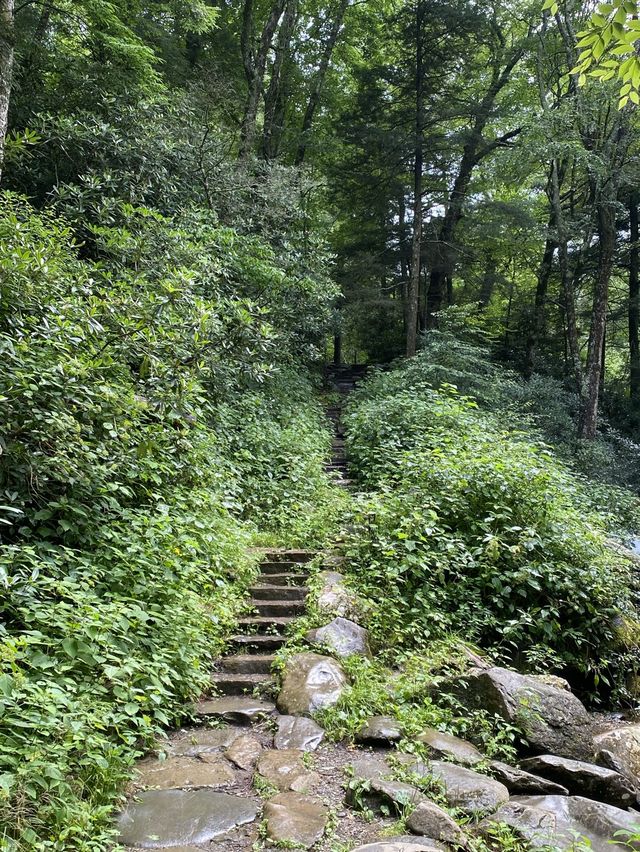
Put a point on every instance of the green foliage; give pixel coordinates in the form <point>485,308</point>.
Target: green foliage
<point>145,445</point>
<point>608,47</point>
<point>472,528</point>
<point>412,696</point>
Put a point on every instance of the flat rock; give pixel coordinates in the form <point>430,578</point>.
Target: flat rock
<point>524,783</point>
<point>557,820</point>
<point>379,794</point>
<point>184,772</point>
<point>334,597</point>
<point>342,637</point>
<point>284,769</point>
<point>553,720</point>
<point>181,817</point>
<point>311,682</point>
<point>441,745</point>
<point>379,729</point>
<point>402,844</point>
<point>465,789</point>
<point>295,819</point>
<point>232,708</point>
<point>431,821</point>
<point>368,767</point>
<point>201,740</point>
<point>585,779</point>
<point>244,751</point>
<point>297,732</point>
<point>620,750</point>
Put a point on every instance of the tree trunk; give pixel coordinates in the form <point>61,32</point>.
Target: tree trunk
<point>6,69</point>
<point>488,282</point>
<point>538,321</point>
<point>475,150</point>
<point>595,354</point>
<point>254,61</point>
<point>413,290</point>
<point>318,83</point>
<point>634,304</point>
<point>276,94</point>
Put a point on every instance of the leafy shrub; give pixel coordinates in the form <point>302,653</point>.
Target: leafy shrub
<point>140,395</point>
<point>472,528</point>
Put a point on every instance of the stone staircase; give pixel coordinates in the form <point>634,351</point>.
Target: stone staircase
<point>343,380</point>
<point>277,598</point>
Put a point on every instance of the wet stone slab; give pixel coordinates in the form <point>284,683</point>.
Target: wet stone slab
<point>159,818</point>
<point>177,772</point>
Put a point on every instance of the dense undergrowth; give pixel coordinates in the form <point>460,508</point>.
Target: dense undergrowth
<point>471,526</point>
<point>157,421</point>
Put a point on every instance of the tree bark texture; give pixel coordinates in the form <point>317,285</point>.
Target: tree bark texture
<point>318,83</point>
<point>6,69</point>
<point>413,289</point>
<point>634,304</point>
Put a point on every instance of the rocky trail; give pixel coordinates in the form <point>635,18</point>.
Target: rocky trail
<point>257,772</point>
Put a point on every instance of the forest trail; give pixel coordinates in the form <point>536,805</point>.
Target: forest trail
<point>203,791</point>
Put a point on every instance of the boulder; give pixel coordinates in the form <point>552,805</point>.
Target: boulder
<point>553,720</point>
<point>440,745</point>
<point>431,821</point>
<point>298,732</point>
<point>585,779</point>
<point>295,820</point>
<point>311,682</point>
<point>524,783</point>
<point>465,789</point>
<point>184,772</point>
<point>620,750</point>
<point>334,597</point>
<point>159,818</point>
<point>557,820</point>
<point>285,770</point>
<point>342,637</point>
<point>244,751</point>
<point>379,730</point>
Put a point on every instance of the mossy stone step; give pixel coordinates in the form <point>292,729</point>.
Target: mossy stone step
<point>286,579</point>
<point>278,607</point>
<point>231,683</point>
<point>258,642</point>
<point>270,592</point>
<point>278,567</point>
<point>248,663</point>
<point>257,621</point>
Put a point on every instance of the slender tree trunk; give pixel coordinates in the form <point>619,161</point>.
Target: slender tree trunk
<point>538,321</point>
<point>474,151</point>
<point>634,304</point>
<point>254,60</point>
<point>595,353</point>
<point>416,242</point>
<point>488,282</point>
<point>276,94</point>
<point>337,349</point>
<point>6,69</point>
<point>318,83</point>
<point>404,263</point>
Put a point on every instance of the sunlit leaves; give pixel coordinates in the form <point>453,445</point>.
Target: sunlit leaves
<point>608,48</point>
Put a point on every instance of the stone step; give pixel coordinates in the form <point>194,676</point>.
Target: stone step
<point>289,555</point>
<point>277,567</point>
<point>291,580</point>
<point>229,683</point>
<point>273,592</point>
<point>278,607</point>
<point>258,642</point>
<point>258,621</point>
<point>248,663</point>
